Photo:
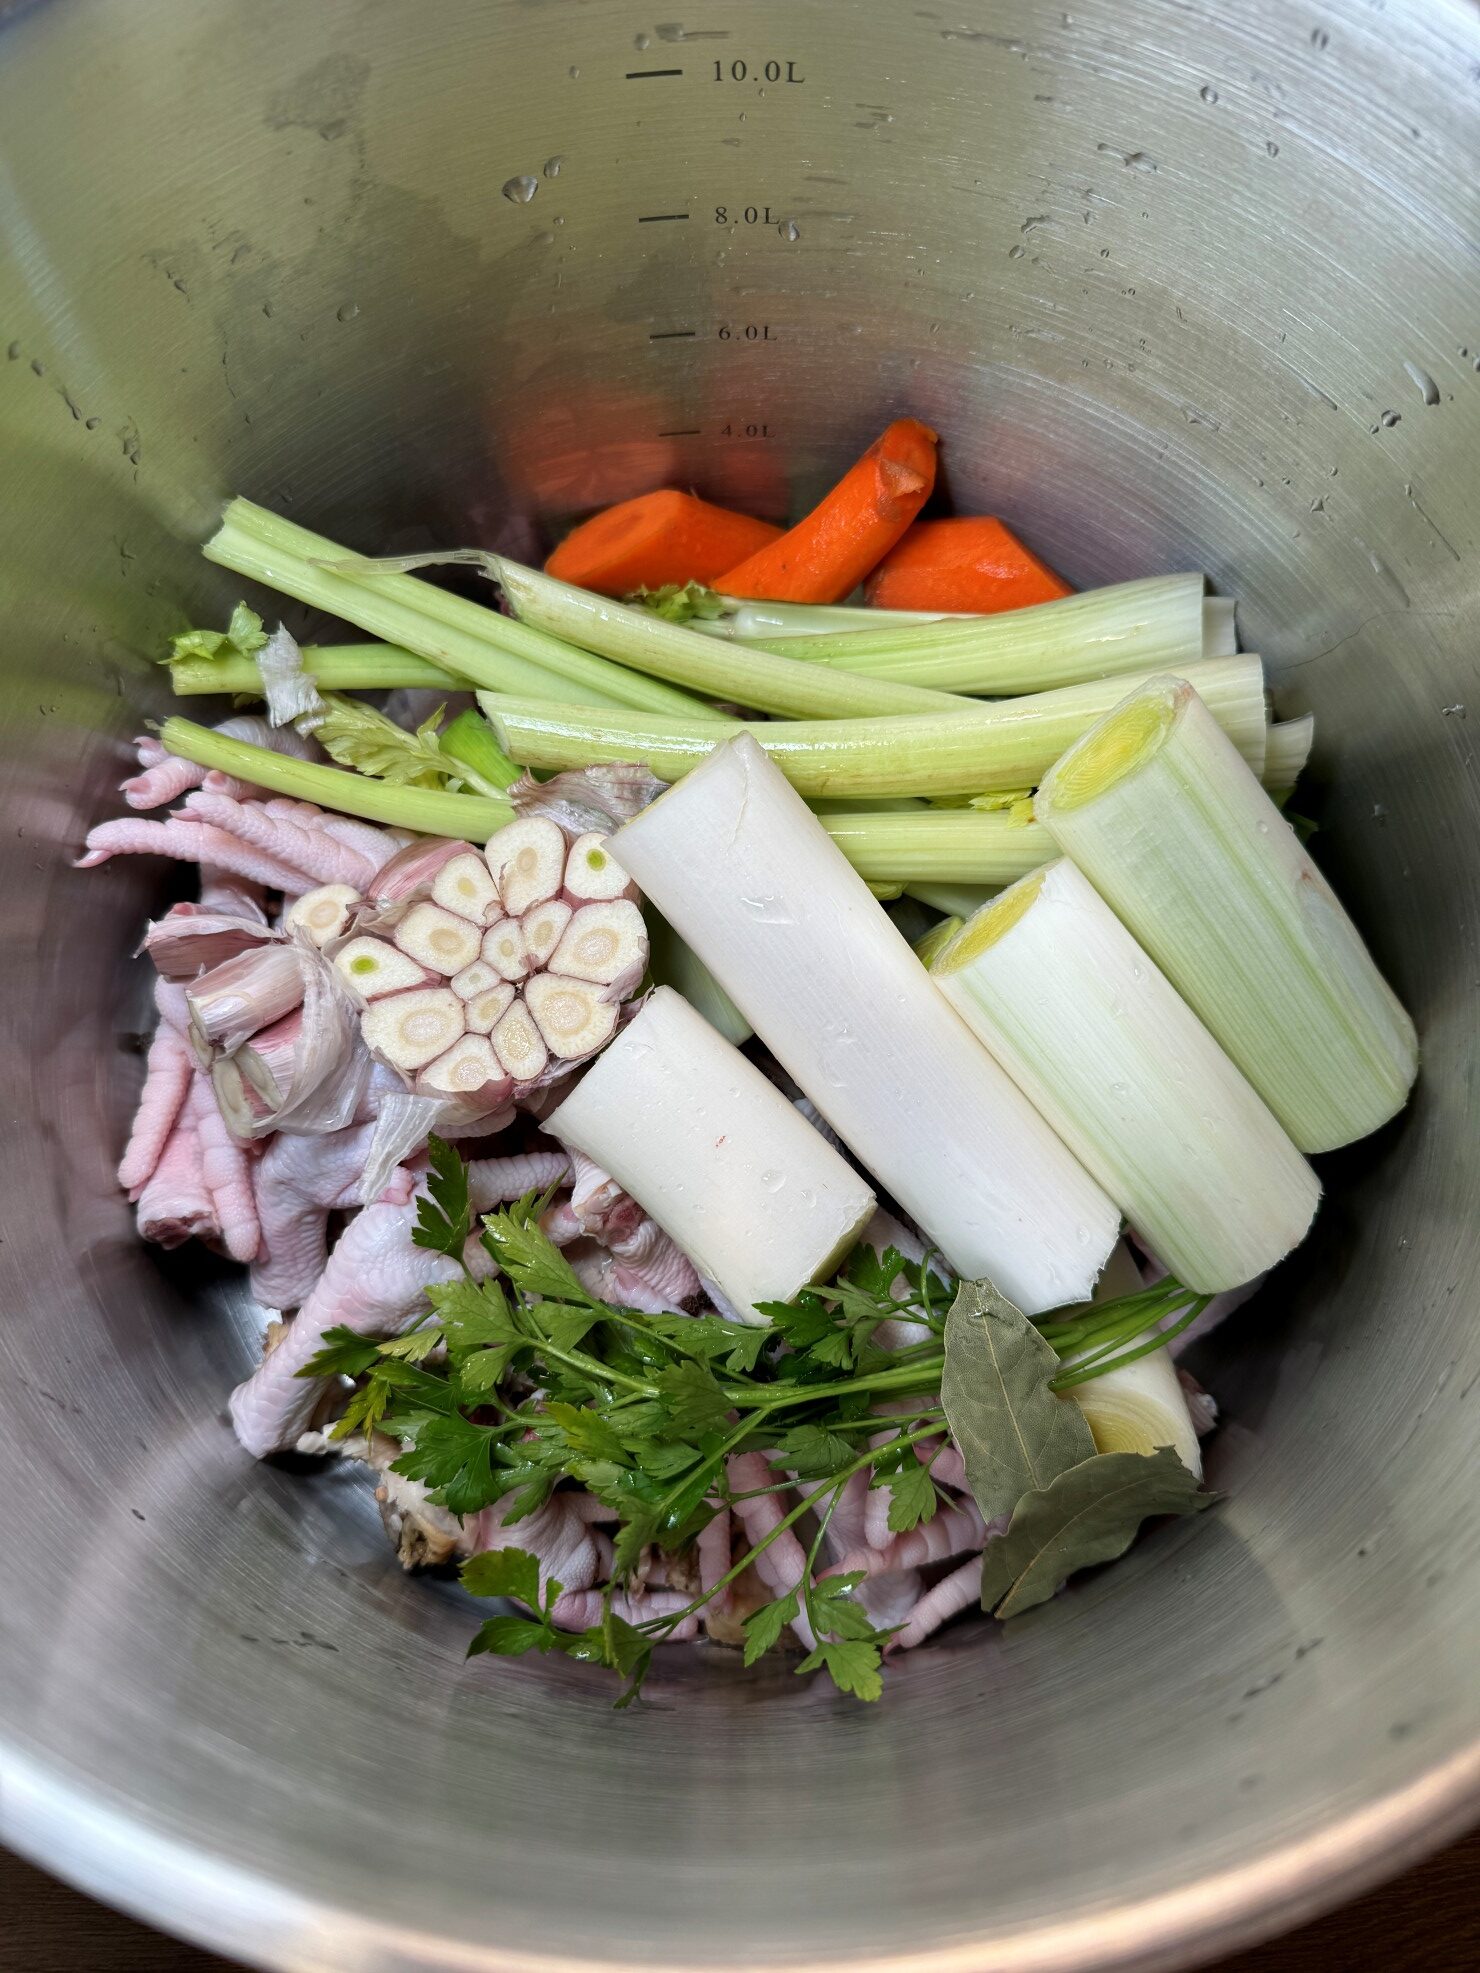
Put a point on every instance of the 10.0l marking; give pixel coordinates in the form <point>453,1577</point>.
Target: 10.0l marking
<point>763,72</point>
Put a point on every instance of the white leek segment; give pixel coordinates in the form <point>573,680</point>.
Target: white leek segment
<point>1092,1033</point>
<point>1139,1407</point>
<point>973,749</point>
<point>1175,833</point>
<point>672,652</point>
<point>1220,632</point>
<point>709,1147</point>
<point>1131,626</point>
<point>750,879</point>
<point>1286,751</point>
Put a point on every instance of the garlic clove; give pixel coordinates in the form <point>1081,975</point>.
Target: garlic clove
<point>323,914</point>
<point>604,943</point>
<point>542,928</point>
<point>464,885</point>
<point>593,875</point>
<point>441,939</point>
<point>486,1009</point>
<point>373,967</point>
<point>411,1029</point>
<point>518,1044</point>
<point>527,860</point>
<point>468,1068</point>
<point>504,949</point>
<point>573,1016</point>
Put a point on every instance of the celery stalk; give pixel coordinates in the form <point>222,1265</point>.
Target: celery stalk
<point>1152,624</point>
<point>336,668</point>
<point>939,845</point>
<point>475,643</point>
<point>1008,744</point>
<point>429,811</point>
<point>672,651</point>
<point>469,739</point>
<point>955,900</point>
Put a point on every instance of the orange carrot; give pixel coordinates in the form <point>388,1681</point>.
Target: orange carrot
<point>828,554</point>
<point>661,537</point>
<point>973,564</point>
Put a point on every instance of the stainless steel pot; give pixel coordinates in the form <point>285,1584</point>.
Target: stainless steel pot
<point>1183,286</point>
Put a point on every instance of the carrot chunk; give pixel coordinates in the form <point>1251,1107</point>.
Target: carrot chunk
<point>658,538</point>
<point>974,564</point>
<point>827,554</point>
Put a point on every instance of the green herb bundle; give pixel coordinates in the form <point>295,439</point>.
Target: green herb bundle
<point>521,1379</point>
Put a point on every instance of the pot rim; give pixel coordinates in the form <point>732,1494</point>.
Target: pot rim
<point>162,1880</point>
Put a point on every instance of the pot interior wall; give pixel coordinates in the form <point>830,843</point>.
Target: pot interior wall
<point>1181,288</point>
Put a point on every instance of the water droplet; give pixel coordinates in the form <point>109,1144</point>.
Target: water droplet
<point>1208,93</point>
<point>1427,388</point>
<point>1120,1089</point>
<point>347,311</point>
<point>543,240</point>
<point>1391,418</point>
<point>1318,505</point>
<point>552,166</point>
<point>809,1197</point>
<point>14,352</point>
<point>773,1180</point>
<point>1015,253</point>
<point>574,74</point>
<point>1272,148</point>
<point>1319,39</point>
<point>1104,252</point>
<point>789,230</point>
<point>1264,828</point>
<point>642,43</point>
<point>520,190</point>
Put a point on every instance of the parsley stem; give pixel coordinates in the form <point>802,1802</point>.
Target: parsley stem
<point>658,1625</point>
<point>908,1377</point>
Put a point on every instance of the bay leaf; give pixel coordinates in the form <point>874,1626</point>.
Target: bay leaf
<point>1014,1433</point>
<point>1089,1514</point>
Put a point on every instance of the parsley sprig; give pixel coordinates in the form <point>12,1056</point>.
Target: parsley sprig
<point>518,1378</point>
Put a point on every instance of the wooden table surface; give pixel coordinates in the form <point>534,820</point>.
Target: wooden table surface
<point>1429,1919</point>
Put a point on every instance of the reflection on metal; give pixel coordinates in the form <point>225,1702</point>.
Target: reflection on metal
<point>1156,275</point>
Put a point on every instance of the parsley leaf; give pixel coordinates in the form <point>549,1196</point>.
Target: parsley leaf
<point>443,1215</point>
<point>852,1665</point>
<point>763,1627</point>
<point>812,1452</point>
<point>912,1496</point>
<point>530,1259</point>
<point>505,1572</point>
<point>511,1637</point>
<point>693,1398</point>
<point>343,1353</point>
<point>454,1458</point>
<point>475,1316</point>
<point>587,1434</point>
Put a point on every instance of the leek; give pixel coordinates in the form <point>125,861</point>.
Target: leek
<point>1167,822</point>
<point>1009,744</point>
<point>429,811</point>
<point>1287,749</point>
<point>735,861</point>
<point>1131,626</point>
<point>475,643</point>
<point>1087,1026</point>
<point>710,1148</point>
<point>334,668</point>
<point>672,651</point>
